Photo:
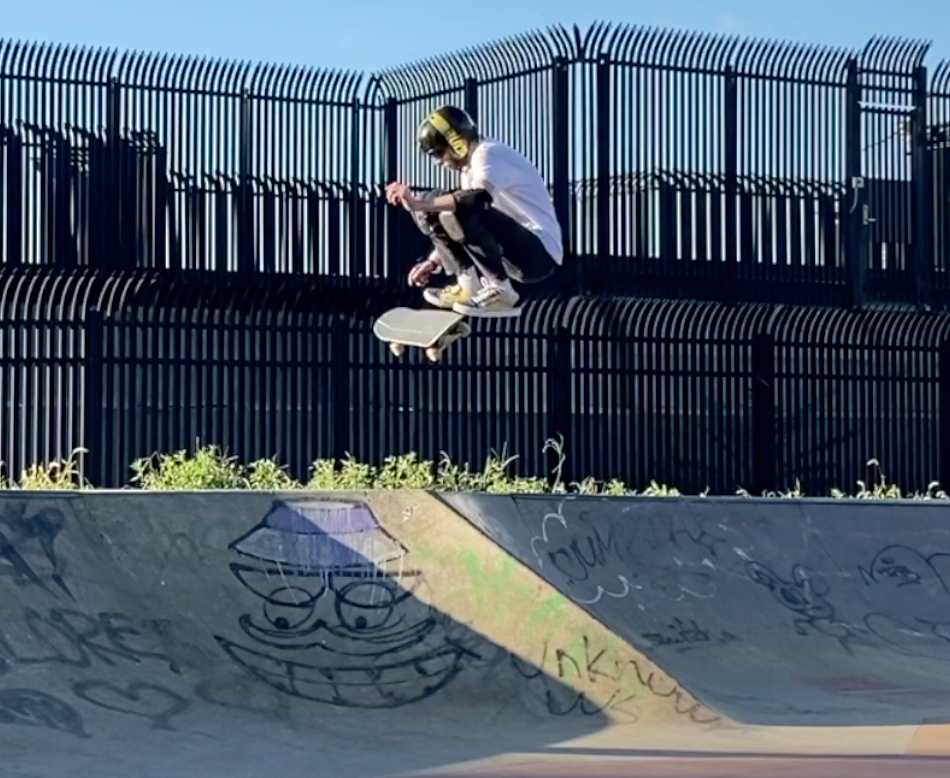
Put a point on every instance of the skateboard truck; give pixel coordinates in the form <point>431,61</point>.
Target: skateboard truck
<point>429,329</point>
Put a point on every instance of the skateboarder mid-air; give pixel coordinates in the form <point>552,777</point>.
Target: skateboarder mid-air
<point>498,226</point>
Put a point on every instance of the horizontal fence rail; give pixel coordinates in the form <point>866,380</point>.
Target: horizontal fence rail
<point>699,395</point>
<point>685,164</point>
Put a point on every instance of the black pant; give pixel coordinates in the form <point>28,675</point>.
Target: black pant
<point>489,240</point>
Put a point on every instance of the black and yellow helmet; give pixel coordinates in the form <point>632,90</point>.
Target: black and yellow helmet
<point>447,129</point>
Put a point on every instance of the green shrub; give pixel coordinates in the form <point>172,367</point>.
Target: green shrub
<point>210,467</point>
<point>267,475</point>
<point>56,475</point>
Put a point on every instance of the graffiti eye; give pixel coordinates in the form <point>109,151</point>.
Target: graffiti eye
<point>901,573</point>
<point>288,608</point>
<point>365,606</point>
<point>261,581</point>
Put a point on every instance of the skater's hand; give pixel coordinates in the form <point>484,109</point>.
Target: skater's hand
<point>422,271</point>
<point>398,193</point>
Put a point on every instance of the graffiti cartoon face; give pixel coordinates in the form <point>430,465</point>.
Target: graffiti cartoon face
<point>334,626</point>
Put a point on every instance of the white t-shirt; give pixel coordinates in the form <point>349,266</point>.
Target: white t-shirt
<point>517,190</point>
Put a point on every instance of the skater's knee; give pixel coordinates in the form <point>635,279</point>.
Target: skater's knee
<point>471,201</point>
<point>427,221</point>
<point>423,221</point>
<point>452,226</point>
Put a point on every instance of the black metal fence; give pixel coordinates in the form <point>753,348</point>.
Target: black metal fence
<point>194,251</point>
<point>681,164</point>
<point>700,395</point>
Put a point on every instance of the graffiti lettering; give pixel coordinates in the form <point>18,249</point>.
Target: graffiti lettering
<point>683,703</point>
<point>582,674</point>
<point>911,596</point>
<point>687,637</point>
<point>909,602</point>
<point>31,708</point>
<point>605,675</point>
<point>27,551</point>
<point>74,638</point>
<point>804,595</point>
<point>590,562</point>
<point>585,554</point>
<point>149,701</point>
<point>572,554</point>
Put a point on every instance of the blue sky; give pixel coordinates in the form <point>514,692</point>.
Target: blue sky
<point>373,34</point>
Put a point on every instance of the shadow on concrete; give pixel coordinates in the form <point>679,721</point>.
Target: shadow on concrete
<point>243,635</point>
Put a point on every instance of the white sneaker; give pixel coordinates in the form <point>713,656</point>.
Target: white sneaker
<point>446,297</point>
<point>494,300</point>
<point>460,292</point>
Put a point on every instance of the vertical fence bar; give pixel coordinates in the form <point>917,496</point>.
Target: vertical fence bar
<point>340,369</point>
<point>245,216</point>
<point>856,254</point>
<point>390,135</point>
<point>358,264</point>
<point>110,207</point>
<point>94,439</point>
<point>560,392</point>
<point>562,114</point>
<point>470,97</point>
<point>604,145</point>
<point>764,437</point>
<point>922,194</point>
<point>943,412</point>
<point>730,152</point>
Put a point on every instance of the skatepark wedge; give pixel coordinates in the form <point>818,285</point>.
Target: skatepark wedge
<point>391,633</point>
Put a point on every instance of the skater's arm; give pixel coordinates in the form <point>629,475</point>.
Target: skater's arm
<point>443,202</point>
<point>398,193</point>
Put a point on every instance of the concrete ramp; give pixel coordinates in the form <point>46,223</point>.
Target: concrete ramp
<point>241,634</point>
<point>779,612</point>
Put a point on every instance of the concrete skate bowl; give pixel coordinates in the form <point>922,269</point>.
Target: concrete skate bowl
<point>786,613</point>
<point>297,634</point>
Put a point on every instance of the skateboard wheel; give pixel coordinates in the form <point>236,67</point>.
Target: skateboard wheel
<point>433,353</point>
<point>397,348</point>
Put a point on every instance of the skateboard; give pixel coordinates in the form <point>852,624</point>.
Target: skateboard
<point>431,329</point>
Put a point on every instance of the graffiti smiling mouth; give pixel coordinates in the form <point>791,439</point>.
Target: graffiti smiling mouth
<point>384,685</point>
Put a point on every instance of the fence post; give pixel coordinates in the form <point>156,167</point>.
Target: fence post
<point>391,215</point>
<point>559,392</point>
<point>470,89</point>
<point>93,437</point>
<point>604,141</point>
<point>340,386</point>
<point>245,257</point>
<point>763,412</point>
<point>730,136</point>
<point>111,208</point>
<point>943,413</point>
<point>561,118</point>
<point>357,203</point>
<point>856,192</point>
<point>922,194</point>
